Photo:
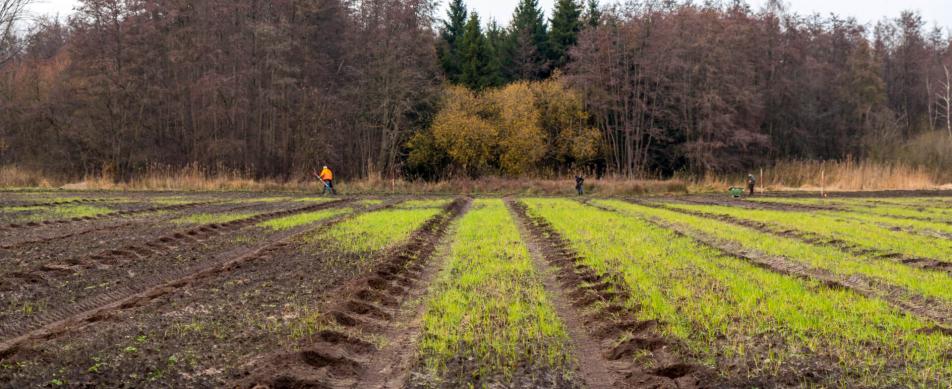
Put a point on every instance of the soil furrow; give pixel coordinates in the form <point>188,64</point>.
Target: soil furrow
<point>60,222</point>
<point>805,237</point>
<point>116,257</point>
<point>605,333</point>
<point>936,311</point>
<point>369,306</point>
<point>54,323</point>
<point>124,224</point>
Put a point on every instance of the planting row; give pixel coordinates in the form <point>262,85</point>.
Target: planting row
<point>748,323</point>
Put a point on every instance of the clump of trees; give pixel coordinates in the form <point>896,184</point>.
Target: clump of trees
<point>271,88</point>
<point>645,89</point>
<point>521,128</point>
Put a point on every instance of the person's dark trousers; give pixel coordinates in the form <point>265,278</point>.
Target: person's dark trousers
<point>580,190</point>
<point>329,187</point>
<point>751,189</point>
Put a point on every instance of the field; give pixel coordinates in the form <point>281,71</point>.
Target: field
<point>283,290</point>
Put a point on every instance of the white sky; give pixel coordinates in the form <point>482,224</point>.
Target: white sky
<point>934,12</point>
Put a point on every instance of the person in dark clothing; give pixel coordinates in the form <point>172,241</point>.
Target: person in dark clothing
<point>579,185</point>
<point>751,183</point>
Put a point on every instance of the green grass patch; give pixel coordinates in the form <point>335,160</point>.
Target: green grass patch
<point>313,200</point>
<point>933,284</point>
<point>374,231</point>
<point>288,222</point>
<point>209,218</point>
<point>66,211</point>
<point>729,312</point>
<point>488,305</point>
<point>431,203</point>
<point>835,226</point>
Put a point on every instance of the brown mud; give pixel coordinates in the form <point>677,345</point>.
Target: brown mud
<point>613,347</point>
<point>367,307</point>
<point>126,274</point>
<point>199,333</point>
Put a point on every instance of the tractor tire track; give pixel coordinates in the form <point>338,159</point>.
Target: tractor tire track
<point>53,323</point>
<point>593,309</point>
<point>129,294</point>
<point>936,311</point>
<point>369,305</point>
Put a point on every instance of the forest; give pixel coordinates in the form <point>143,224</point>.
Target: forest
<point>399,88</point>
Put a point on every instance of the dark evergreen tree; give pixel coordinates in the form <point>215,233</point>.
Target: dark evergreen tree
<point>496,42</point>
<point>593,16</point>
<point>528,42</point>
<point>475,56</point>
<point>566,24</point>
<point>452,35</point>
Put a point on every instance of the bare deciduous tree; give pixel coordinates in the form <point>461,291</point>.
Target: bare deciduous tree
<point>11,13</point>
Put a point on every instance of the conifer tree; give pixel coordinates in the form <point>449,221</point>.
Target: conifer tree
<point>452,35</point>
<point>475,56</point>
<point>528,41</point>
<point>566,24</point>
<point>593,16</point>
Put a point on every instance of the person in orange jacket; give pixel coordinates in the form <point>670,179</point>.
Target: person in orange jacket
<point>327,177</point>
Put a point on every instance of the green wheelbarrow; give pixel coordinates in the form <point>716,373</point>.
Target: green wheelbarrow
<point>736,192</point>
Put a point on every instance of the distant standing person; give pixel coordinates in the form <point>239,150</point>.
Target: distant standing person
<point>751,183</point>
<point>580,185</point>
<point>327,177</point>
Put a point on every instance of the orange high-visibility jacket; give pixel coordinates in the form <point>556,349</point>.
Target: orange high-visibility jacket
<point>327,174</point>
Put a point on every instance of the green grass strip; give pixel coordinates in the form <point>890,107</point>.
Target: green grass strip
<point>433,203</point>
<point>921,282</point>
<point>828,226</point>
<point>375,231</point>
<point>209,218</point>
<point>289,222</point>
<point>489,303</point>
<point>730,312</point>
<point>933,209</point>
<point>66,211</point>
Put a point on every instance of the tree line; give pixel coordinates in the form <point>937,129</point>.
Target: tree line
<point>276,88</point>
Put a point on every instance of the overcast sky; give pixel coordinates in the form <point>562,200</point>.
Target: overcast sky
<point>933,11</point>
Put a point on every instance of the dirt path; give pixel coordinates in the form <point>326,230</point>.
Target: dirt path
<point>67,317</point>
<point>369,306</point>
<point>611,347</point>
<point>938,312</point>
<point>593,371</point>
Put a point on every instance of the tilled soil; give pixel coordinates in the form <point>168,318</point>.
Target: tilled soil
<point>606,336</point>
<point>52,291</point>
<point>200,331</point>
<point>344,354</point>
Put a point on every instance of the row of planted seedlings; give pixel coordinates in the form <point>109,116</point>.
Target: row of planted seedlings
<point>927,291</point>
<point>929,221</point>
<point>751,325</point>
<point>488,320</point>
<point>924,209</point>
<point>384,253</point>
<point>63,286</point>
<point>267,301</point>
<point>862,237</point>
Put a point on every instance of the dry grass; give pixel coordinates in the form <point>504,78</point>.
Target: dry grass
<point>838,176</point>
<point>801,175</point>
